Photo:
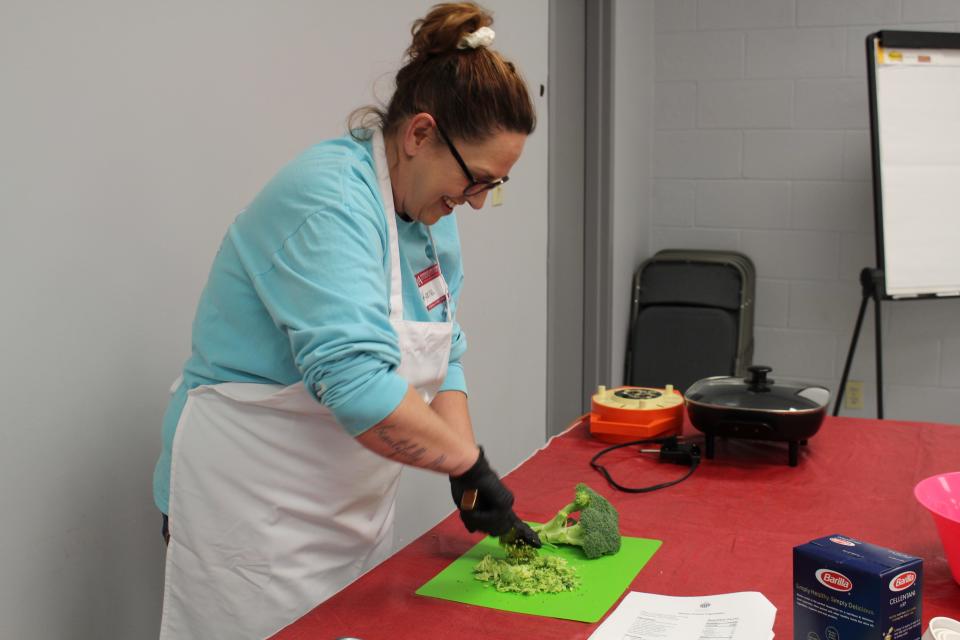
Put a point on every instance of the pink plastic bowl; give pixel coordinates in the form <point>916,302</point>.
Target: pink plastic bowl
<point>940,494</point>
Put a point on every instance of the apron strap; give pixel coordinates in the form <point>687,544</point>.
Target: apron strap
<point>386,195</point>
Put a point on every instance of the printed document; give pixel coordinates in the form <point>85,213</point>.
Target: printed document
<point>731,616</point>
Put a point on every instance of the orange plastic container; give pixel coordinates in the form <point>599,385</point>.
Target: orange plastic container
<point>623,414</point>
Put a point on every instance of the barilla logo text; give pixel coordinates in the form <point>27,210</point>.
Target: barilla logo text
<point>903,581</point>
<point>842,541</point>
<point>835,580</point>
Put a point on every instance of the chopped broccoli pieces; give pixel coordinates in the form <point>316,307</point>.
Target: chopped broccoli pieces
<point>519,551</point>
<point>524,571</point>
<point>528,575</point>
<point>597,532</point>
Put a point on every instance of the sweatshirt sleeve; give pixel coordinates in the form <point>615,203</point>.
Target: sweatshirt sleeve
<point>326,288</point>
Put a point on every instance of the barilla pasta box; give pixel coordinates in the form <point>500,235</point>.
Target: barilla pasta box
<point>845,589</point>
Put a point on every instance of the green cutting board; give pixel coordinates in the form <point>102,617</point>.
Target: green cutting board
<point>602,581</point>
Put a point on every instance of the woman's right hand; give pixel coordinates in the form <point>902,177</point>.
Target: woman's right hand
<point>488,506</point>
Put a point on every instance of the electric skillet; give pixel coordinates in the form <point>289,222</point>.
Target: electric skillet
<point>757,408</point>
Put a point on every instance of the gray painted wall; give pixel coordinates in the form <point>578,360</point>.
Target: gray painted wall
<point>633,130</point>
<point>565,259</point>
<point>132,135</point>
<point>761,144</point>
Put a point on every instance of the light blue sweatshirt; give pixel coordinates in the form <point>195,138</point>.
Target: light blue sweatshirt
<point>299,291</point>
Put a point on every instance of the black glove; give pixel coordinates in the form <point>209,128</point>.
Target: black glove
<point>488,506</point>
<point>521,533</point>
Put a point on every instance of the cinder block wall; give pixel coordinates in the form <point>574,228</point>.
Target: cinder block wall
<point>762,146</point>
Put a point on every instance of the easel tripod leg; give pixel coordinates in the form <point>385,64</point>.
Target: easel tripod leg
<point>877,315</point>
<point>853,348</point>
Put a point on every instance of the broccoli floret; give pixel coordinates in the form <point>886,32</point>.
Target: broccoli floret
<point>597,532</point>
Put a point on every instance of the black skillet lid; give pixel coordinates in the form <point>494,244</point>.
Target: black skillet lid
<point>758,393</point>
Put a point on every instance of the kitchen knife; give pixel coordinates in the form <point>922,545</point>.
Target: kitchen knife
<point>468,501</point>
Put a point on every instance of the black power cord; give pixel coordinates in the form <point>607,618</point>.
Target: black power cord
<point>671,450</point>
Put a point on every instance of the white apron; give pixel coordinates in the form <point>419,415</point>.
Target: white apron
<point>273,506</point>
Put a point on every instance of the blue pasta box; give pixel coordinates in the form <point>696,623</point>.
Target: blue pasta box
<point>846,589</point>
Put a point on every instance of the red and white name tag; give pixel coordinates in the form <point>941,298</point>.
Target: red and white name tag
<point>433,288</point>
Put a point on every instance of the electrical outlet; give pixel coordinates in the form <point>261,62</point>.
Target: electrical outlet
<point>496,197</point>
<point>853,395</point>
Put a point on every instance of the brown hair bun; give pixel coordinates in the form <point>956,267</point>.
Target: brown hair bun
<point>473,92</point>
<point>440,30</point>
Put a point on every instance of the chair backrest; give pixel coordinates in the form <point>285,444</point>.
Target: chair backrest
<point>691,317</point>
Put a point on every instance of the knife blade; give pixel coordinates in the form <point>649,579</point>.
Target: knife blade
<point>512,537</point>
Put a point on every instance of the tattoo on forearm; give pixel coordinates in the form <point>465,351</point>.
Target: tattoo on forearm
<point>403,448</point>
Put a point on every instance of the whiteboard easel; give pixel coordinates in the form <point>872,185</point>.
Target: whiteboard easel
<point>914,84</point>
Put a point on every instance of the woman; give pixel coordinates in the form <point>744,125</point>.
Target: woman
<point>326,354</point>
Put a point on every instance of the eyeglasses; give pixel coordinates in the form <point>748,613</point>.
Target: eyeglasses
<point>476,186</point>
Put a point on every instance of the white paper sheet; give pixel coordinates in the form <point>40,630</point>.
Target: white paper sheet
<point>732,616</point>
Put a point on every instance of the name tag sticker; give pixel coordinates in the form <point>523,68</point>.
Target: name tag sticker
<point>433,288</point>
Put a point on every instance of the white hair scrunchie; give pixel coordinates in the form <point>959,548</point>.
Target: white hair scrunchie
<point>482,37</point>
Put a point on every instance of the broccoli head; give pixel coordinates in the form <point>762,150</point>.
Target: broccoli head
<point>598,528</point>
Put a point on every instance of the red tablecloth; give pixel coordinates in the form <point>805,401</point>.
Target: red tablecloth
<point>729,527</point>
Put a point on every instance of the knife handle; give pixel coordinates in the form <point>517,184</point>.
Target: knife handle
<point>468,500</point>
